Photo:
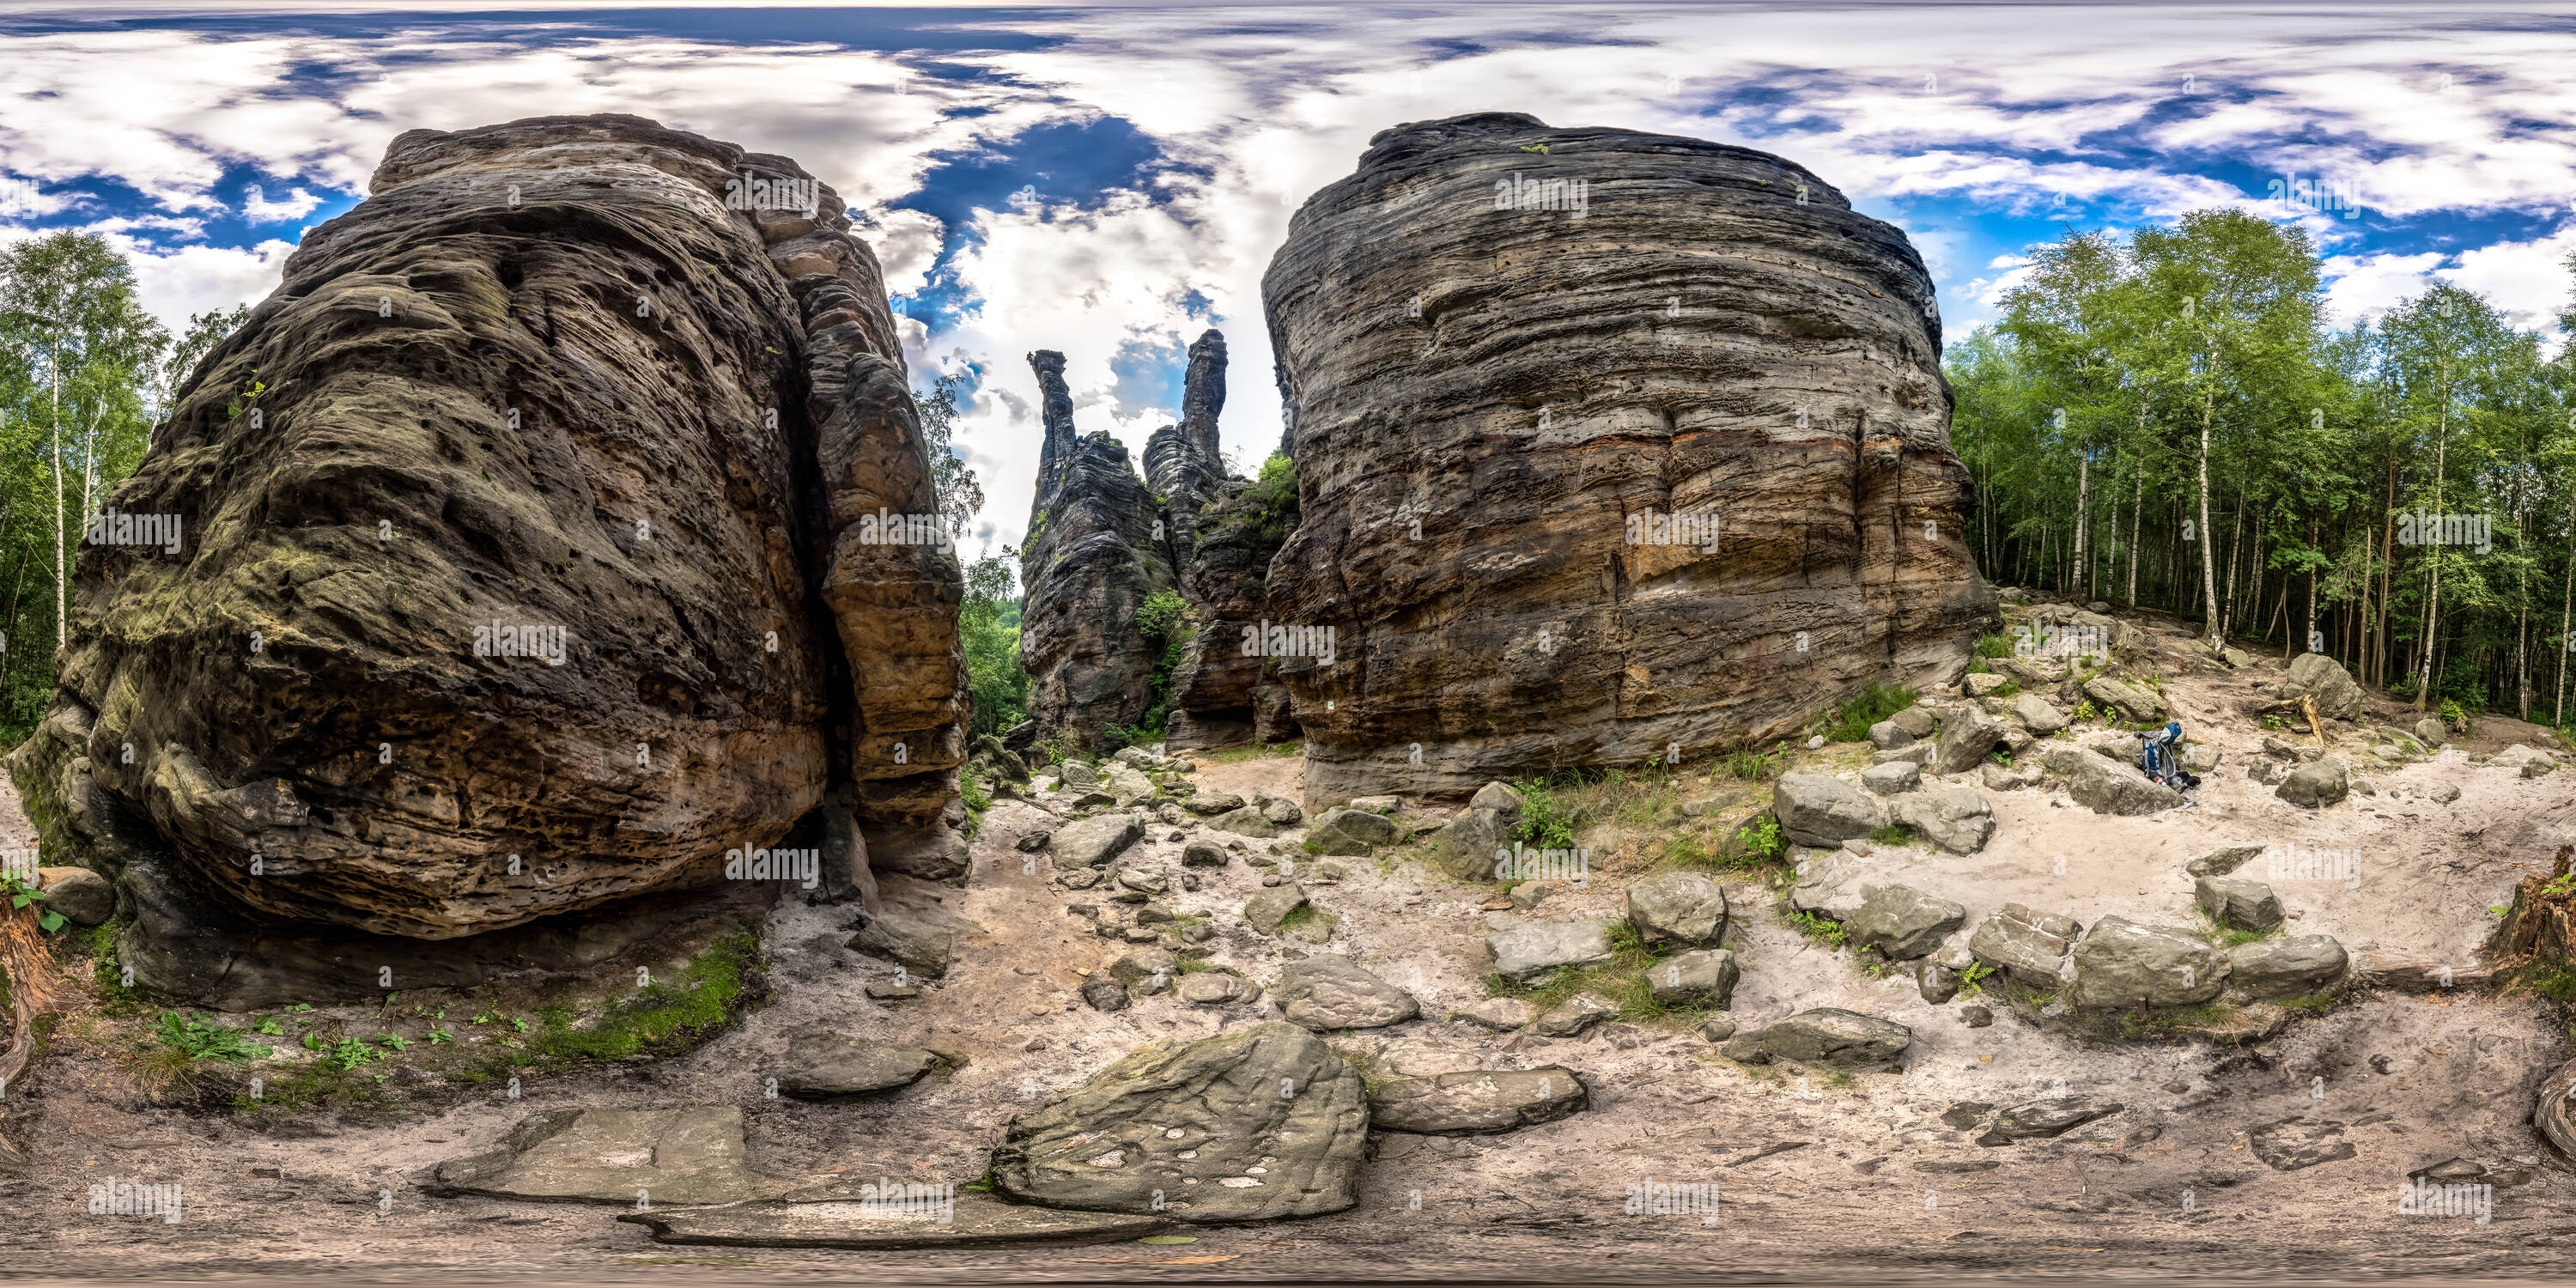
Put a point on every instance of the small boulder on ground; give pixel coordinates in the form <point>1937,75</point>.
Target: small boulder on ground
<point>1678,907</point>
<point>1208,804</point>
<point>1703,978</point>
<point>1280,810</point>
<point>1917,720</point>
<point>1572,1016</point>
<point>1466,845</point>
<point>1820,811</point>
<point>2025,947</point>
<point>1093,842</point>
<point>1500,1014</point>
<point>1476,1102</point>
<point>2429,731</point>
<point>2121,963</point>
<point>920,945</point>
<point>2220,862</point>
<point>1957,819</point>
<point>1203,854</point>
<point>2282,967</point>
<point>1902,923</point>
<point>83,896</point>
<point>2037,714</point>
<point>1216,988</point>
<point>1532,951</point>
<point>1105,994</point>
<point>1351,832</point>
<point>2041,1119</point>
<point>1983,683</point>
<point>821,1062</point>
<point>1265,911</point>
<point>2238,904</point>
<point>1887,735</point>
<point>2317,784</point>
<point>1966,740</point>
<point>2136,703</point>
<point>1825,1035</point>
<point>2530,761</point>
<point>1892,778</point>
<point>2105,786</point>
<point>1246,821</point>
<point>2321,677</point>
<point>1328,993</point>
<point>1831,886</point>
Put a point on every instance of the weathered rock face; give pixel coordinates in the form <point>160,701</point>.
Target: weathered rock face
<point>1090,561</point>
<point>1657,329</point>
<point>535,578</point>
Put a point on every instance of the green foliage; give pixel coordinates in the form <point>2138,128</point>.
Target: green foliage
<point>661,1016</point>
<point>197,1040</point>
<point>21,893</point>
<point>1822,929</point>
<point>1893,834</point>
<point>988,633</point>
<point>1994,645</point>
<point>1753,765</point>
<point>961,495</point>
<point>349,1053</point>
<point>1972,981</point>
<point>1547,820</point>
<point>1275,491</point>
<point>1851,721</point>
<point>1763,839</point>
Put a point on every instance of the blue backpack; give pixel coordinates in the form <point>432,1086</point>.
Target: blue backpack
<point>2157,759</point>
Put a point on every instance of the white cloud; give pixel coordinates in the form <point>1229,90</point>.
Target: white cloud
<point>258,209</point>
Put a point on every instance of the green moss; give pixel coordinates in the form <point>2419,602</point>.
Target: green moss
<point>661,1018</point>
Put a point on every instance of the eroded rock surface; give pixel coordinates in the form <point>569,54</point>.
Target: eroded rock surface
<point>1691,340</point>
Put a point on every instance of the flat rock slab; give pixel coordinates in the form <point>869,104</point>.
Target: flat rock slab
<point>2299,1143</point>
<point>1529,952</point>
<point>820,1062</point>
<point>976,1221</point>
<point>1476,1102</point>
<point>682,1156</point>
<point>1325,993</point>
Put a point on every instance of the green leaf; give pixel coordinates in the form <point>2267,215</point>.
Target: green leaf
<point>51,922</point>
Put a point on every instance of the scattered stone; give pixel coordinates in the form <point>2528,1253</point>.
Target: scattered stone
<point>1894,777</point>
<point>2446,793</point>
<point>679,1156</point>
<point>1716,1028</point>
<point>2238,904</point>
<point>2299,1143</point>
<point>1983,683</point>
<point>887,991</point>
<point>1203,854</point>
<point>2429,732</point>
<point>1078,775</point>
<point>1032,842</point>
<point>1208,804</point>
<point>1916,720</point>
<point>1476,1102</point>
<point>1532,951</point>
<point>1126,786</point>
<point>1246,821</point>
<point>1918,755</point>
<point>1145,880</point>
<point>2531,761</point>
<point>1350,832</point>
<point>1216,988</point>
<point>1833,887</point>
<point>1264,911</point>
<point>1528,895</point>
<point>1955,818</point>
<point>2282,967</point>
<point>1678,907</point>
<point>2318,784</point>
<point>2041,1119</point>
<point>1572,1016</point>
<point>1816,743</point>
<point>1280,810</point>
<point>1093,842</point>
<point>1328,992</point>
<point>1825,1035</point>
<point>2008,778</point>
<point>2220,862</point>
<point>2037,714</point>
<point>1465,846</point>
<point>821,1062</point>
<point>1902,923</point>
<point>1501,1014</point>
<point>1976,1017</point>
<point>1706,976</point>
<point>1145,965</point>
<point>2122,963</point>
<point>1965,1115</point>
<point>1820,811</point>
<point>2237,658</point>
<point>1887,735</point>
<point>1210,1110</point>
<point>918,944</point>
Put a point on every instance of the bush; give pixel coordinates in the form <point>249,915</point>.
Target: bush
<point>1547,820</point>
<point>1276,493</point>
<point>198,1040</point>
<point>1996,645</point>
<point>1754,766</point>
<point>1851,721</point>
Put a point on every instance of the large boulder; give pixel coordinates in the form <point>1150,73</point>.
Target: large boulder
<point>1902,923</point>
<point>2530,762</point>
<point>2280,967</point>
<point>1468,846</point>
<point>1825,1035</point>
<point>2107,786</point>
<point>1678,907</point>
<point>1957,819</point>
<point>534,574</point>
<point>2121,963</point>
<point>1530,415</point>
<point>2319,676</point>
<point>1476,1102</point>
<point>2134,702</point>
<point>1253,1125</point>
<point>1967,738</point>
<point>2238,904</point>
<point>1832,886</point>
<point>1325,993</point>
<point>2037,714</point>
<point>1093,842</point>
<point>1342,830</point>
<point>1821,811</point>
<point>1706,977</point>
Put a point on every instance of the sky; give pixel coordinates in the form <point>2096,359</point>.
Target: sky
<point>1110,181</point>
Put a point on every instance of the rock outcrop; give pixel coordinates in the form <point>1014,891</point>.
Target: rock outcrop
<point>558,524</point>
<point>1605,441</point>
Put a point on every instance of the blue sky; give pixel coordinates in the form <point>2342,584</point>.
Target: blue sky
<point>1110,181</point>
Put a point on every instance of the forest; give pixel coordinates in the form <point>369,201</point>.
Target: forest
<point>2168,421</point>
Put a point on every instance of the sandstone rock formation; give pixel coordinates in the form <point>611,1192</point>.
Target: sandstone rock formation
<point>549,560</point>
<point>1605,441</point>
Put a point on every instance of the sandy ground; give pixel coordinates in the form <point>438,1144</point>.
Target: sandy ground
<point>1861,1182</point>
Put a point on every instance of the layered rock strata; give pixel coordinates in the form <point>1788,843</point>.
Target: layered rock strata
<point>557,526</point>
<point>1608,444</point>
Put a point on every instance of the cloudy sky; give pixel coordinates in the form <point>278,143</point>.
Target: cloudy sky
<point>1110,181</point>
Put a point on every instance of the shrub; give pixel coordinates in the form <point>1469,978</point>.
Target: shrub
<point>1995,645</point>
<point>1850,722</point>
<point>1547,820</point>
<point>198,1040</point>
